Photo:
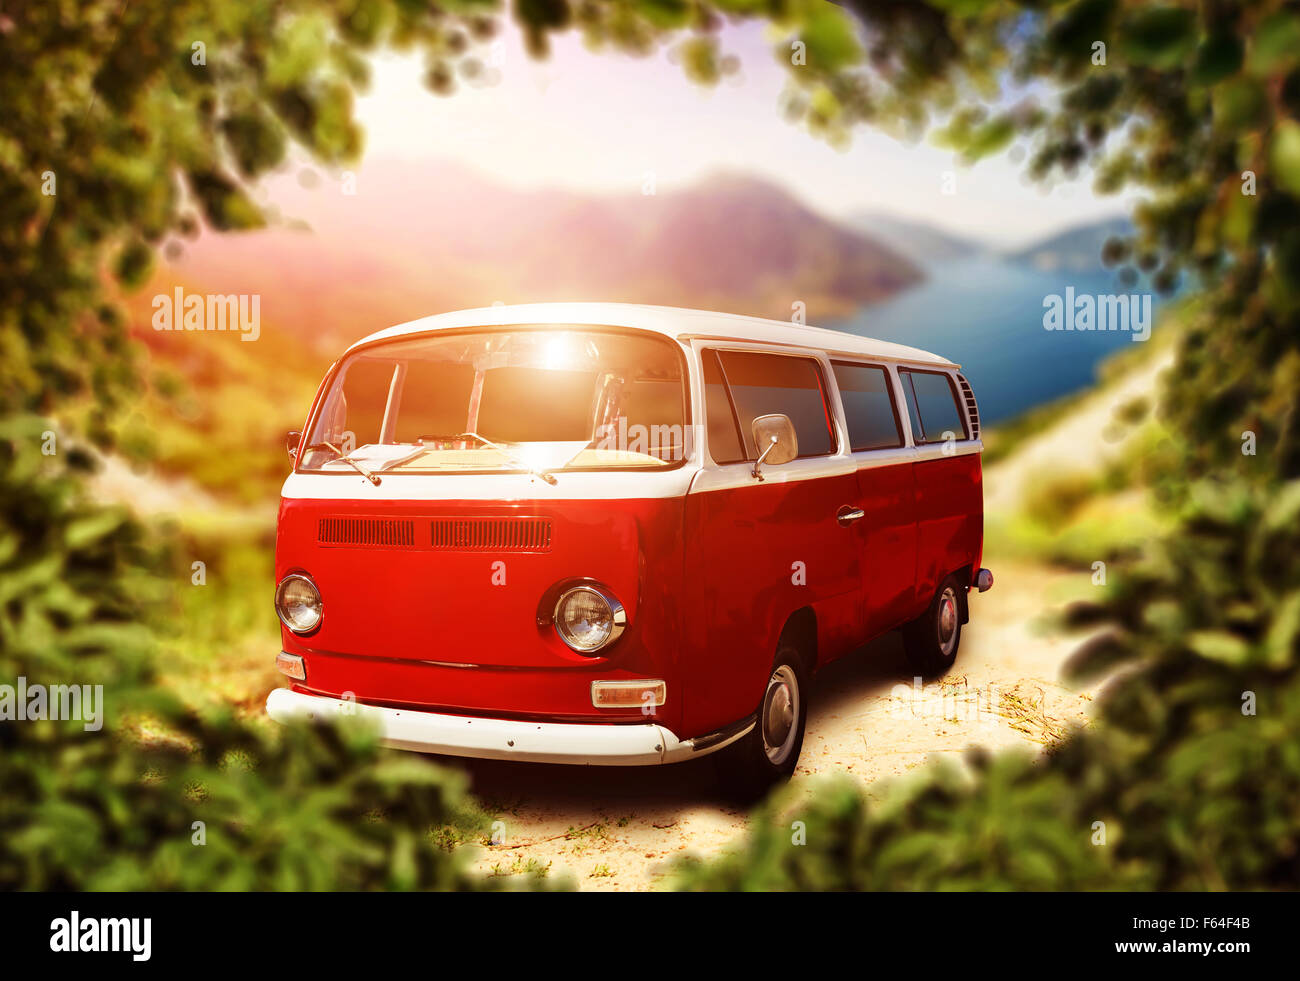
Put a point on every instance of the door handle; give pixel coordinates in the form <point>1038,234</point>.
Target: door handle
<point>847,515</point>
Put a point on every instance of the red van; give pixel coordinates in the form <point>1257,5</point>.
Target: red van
<point>612,534</point>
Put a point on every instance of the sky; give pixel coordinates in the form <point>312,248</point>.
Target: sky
<point>600,121</point>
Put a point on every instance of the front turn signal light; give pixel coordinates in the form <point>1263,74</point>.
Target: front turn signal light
<point>629,694</point>
<point>291,666</point>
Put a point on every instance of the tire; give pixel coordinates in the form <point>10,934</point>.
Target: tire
<point>932,639</point>
<point>768,753</point>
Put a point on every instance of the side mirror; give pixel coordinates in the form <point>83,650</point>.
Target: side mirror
<point>292,440</point>
<point>775,440</point>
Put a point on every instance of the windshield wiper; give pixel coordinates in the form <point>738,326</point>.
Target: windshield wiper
<point>540,474</point>
<point>344,458</point>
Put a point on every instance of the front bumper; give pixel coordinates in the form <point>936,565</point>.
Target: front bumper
<point>589,744</point>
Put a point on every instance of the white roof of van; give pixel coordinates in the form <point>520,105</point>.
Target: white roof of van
<point>670,321</point>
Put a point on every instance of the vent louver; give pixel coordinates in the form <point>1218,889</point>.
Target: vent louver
<point>972,410</point>
<point>525,534</point>
<point>367,532</point>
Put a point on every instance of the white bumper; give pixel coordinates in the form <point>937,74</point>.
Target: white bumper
<point>503,739</point>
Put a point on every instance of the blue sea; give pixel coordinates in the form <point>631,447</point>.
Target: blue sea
<point>986,313</point>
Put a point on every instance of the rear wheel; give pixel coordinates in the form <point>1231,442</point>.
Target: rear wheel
<point>932,639</point>
<point>768,753</point>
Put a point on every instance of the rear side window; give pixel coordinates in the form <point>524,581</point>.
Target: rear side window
<point>868,401</point>
<point>724,440</point>
<point>932,404</point>
<point>766,383</point>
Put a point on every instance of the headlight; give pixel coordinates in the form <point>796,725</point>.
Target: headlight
<point>297,601</point>
<point>587,618</point>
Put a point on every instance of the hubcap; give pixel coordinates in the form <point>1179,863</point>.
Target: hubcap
<point>780,712</point>
<point>947,621</point>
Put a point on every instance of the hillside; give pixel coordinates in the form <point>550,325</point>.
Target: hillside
<point>1076,249</point>
<point>917,241</point>
<point>415,240</point>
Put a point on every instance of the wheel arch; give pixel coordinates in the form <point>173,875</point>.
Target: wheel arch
<point>964,575</point>
<point>800,630</point>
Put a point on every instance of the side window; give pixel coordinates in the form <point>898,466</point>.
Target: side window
<point>724,441</point>
<point>932,403</point>
<point>764,383</point>
<point>868,400</point>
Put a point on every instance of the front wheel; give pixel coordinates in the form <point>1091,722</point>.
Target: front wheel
<point>768,753</point>
<point>932,639</point>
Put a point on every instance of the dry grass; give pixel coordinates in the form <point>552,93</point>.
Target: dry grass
<point>1023,706</point>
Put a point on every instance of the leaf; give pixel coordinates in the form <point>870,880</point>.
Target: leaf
<point>1280,645</point>
<point>134,263</point>
<point>1276,43</point>
<point>1239,104</point>
<point>1162,37</point>
<point>1217,58</point>
<point>82,531</point>
<point>1283,510</point>
<point>1284,156</point>
<point>829,35</point>
<point>256,140</point>
<point>1219,645</point>
<point>990,138</point>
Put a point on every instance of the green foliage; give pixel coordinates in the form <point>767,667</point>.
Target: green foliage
<point>115,141</point>
<point>116,808</point>
<point>127,127</point>
<point>215,415</point>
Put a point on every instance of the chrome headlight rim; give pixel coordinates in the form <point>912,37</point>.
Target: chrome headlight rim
<point>279,611</point>
<point>618,616</point>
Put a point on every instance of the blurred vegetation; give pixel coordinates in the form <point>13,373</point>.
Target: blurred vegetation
<point>106,107</point>
<point>117,809</point>
<point>215,415</point>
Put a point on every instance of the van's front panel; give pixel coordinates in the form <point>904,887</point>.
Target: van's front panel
<point>445,605</point>
<point>462,498</point>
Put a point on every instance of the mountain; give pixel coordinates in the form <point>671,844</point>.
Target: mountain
<point>1076,249</point>
<point>415,240</point>
<point>918,241</point>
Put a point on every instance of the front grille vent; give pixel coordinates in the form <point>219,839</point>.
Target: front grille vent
<point>367,532</point>
<point>524,534</point>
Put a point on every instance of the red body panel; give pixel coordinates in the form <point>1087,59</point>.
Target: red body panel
<point>950,519</point>
<point>888,540</point>
<point>410,625</point>
<point>744,549</point>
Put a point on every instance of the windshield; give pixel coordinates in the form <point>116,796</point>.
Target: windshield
<point>536,399</point>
